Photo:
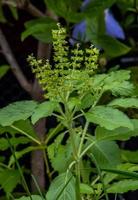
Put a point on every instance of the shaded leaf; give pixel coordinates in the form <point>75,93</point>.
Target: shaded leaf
<point>97,6</point>
<point>66,9</point>
<point>40,28</point>
<point>20,154</point>
<point>9,179</point>
<point>4,144</point>
<point>14,12</point>
<point>129,156</point>
<point>3,70</point>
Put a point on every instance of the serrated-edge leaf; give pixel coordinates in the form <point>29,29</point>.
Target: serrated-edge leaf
<point>44,109</point>
<point>117,134</point>
<point>20,110</point>
<point>123,186</point>
<point>4,144</point>
<point>86,189</point>
<point>106,153</point>
<point>108,117</point>
<point>64,183</point>
<point>9,178</point>
<point>124,103</point>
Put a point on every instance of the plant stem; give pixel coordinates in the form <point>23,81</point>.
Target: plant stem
<point>77,116</point>
<point>47,165</point>
<point>100,174</point>
<point>26,134</point>
<point>53,133</point>
<point>20,171</point>
<point>83,137</point>
<point>37,186</point>
<point>85,150</point>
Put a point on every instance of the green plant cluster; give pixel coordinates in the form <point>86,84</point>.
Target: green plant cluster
<point>71,69</point>
<point>83,160</point>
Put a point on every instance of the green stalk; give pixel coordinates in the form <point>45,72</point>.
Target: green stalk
<point>53,133</point>
<point>20,171</point>
<point>69,118</point>
<point>47,165</point>
<point>37,186</point>
<point>100,174</point>
<point>26,134</point>
<point>86,149</point>
<point>83,137</point>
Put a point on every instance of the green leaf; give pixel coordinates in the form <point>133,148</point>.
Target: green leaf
<point>41,29</point>
<point>2,17</point>
<point>106,153</point>
<point>20,154</point>
<point>9,179</point>
<point>124,173</point>
<point>123,186</point>
<point>14,12</point>
<point>129,156</point>
<point>62,188</point>
<point>3,70</point>
<point>74,101</point>
<point>87,101</point>
<point>66,9</point>
<point>20,110</point>
<point>117,134</point>
<point>59,153</point>
<point>108,118</point>
<point>116,81</point>
<point>4,144</point>
<point>124,103</point>
<point>34,197</point>
<point>23,125</point>
<point>26,126</point>
<point>86,189</point>
<point>97,6</point>
<point>44,109</point>
<point>113,47</point>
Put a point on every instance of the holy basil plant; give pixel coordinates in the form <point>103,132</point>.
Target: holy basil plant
<point>83,159</point>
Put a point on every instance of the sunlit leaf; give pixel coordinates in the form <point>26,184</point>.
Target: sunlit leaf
<point>16,111</point>
<point>108,118</point>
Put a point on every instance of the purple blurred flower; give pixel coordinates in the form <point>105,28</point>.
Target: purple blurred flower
<point>78,32</point>
<point>113,28</point>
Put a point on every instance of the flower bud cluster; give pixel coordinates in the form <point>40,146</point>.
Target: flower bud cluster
<point>69,73</point>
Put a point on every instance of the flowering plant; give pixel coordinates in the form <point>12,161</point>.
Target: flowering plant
<point>83,160</point>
